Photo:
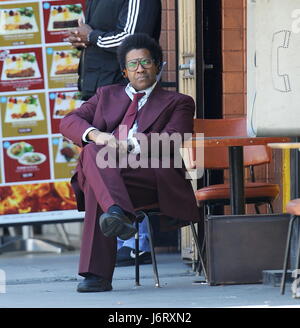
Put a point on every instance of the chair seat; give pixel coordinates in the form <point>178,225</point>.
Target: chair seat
<point>253,190</point>
<point>293,207</point>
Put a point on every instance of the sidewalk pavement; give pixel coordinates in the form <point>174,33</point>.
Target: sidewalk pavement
<point>49,281</point>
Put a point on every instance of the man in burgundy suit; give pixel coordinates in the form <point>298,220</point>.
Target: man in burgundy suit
<point>110,195</point>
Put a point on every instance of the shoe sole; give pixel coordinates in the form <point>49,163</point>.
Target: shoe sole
<point>113,226</point>
<point>131,262</point>
<point>92,289</point>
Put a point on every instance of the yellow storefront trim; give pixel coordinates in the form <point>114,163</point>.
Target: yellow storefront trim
<point>286,178</point>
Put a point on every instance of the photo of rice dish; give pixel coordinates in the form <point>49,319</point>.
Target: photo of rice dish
<point>65,62</point>
<point>23,108</point>
<point>20,66</point>
<point>17,20</point>
<point>65,102</point>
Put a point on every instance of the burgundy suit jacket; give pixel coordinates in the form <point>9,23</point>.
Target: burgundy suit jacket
<point>164,111</point>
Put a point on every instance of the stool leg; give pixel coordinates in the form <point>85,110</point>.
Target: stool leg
<point>137,252</point>
<point>286,256</point>
<point>195,236</point>
<point>154,264</point>
<point>296,272</point>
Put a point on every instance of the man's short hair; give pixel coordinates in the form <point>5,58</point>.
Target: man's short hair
<point>140,41</point>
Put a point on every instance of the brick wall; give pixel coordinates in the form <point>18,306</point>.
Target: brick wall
<point>168,40</point>
<point>234,57</point>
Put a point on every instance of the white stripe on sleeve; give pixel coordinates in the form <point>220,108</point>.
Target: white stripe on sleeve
<point>115,40</point>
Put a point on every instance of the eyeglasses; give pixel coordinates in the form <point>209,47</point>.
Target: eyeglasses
<point>132,65</point>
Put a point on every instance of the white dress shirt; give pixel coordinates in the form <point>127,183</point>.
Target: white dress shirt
<point>130,91</point>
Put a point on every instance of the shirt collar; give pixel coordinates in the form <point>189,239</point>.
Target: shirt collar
<point>131,91</point>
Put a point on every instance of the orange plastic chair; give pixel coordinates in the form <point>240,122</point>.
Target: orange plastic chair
<point>256,193</point>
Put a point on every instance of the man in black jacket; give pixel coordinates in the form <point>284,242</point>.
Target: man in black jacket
<point>107,24</point>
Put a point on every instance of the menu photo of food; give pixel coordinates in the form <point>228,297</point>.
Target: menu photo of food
<point>21,69</point>
<point>24,153</point>
<point>65,62</point>
<point>64,16</point>
<point>20,66</point>
<point>66,102</point>
<point>66,151</point>
<point>17,20</point>
<point>60,17</point>
<point>62,63</point>
<point>36,197</point>
<point>26,160</point>
<point>23,108</point>
<point>62,103</point>
<point>20,24</point>
<point>66,155</point>
<point>23,114</point>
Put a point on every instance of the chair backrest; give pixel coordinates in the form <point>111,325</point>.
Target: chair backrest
<point>217,157</point>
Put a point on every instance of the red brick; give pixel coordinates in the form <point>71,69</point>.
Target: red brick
<point>171,4</point>
<point>171,58</point>
<point>163,40</point>
<point>163,20</point>
<point>171,40</point>
<point>234,104</point>
<point>233,3</point>
<point>233,18</point>
<point>233,82</point>
<point>172,76</point>
<point>233,61</point>
<point>171,20</point>
<point>232,39</point>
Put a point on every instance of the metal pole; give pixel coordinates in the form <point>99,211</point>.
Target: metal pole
<point>236,172</point>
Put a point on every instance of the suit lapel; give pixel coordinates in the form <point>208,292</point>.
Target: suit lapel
<point>152,109</point>
<point>114,108</point>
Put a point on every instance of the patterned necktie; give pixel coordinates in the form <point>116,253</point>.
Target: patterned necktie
<point>129,117</point>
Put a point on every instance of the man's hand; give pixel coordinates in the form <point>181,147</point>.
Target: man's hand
<point>78,36</point>
<point>122,146</point>
<point>102,138</point>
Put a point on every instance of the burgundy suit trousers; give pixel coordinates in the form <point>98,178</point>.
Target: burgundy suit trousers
<point>127,188</point>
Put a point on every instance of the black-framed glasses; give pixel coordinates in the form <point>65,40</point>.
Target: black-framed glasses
<point>133,64</point>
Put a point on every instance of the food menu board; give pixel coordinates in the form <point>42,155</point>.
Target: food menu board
<point>20,24</point>
<point>23,115</point>
<point>26,160</point>
<point>62,65</point>
<point>21,69</point>
<point>38,87</point>
<point>59,17</point>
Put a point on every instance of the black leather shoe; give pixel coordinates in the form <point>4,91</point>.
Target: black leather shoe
<point>94,284</point>
<point>117,225</point>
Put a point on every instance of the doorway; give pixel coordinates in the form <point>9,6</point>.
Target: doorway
<point>209,57</point>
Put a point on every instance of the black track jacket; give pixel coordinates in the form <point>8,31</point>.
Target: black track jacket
<point>112,21</point>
